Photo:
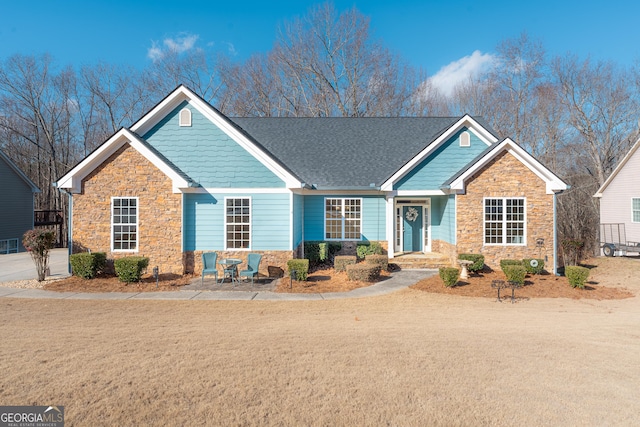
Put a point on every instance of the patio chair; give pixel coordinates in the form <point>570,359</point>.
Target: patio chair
<point>209,264</point>
<point>253,262</point>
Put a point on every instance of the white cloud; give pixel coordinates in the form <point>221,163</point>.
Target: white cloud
<point>458,71</point>
<point>177,45</point>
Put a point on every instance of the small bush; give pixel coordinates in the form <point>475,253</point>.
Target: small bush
<point>129,269</point>
<point>478,261</point>
<point>505,262</point>
<point>380,260</point>
<point>449,276</point>
<point>87,264</point>
<point>363,272</point>
<point>39,243</point>
<point>531,269</point>
<point>368,248</point>
<point>320,252</point>
<point>515,273</point>
<point>301,266</point>
<point>577,275</point>
<point>341,261</point>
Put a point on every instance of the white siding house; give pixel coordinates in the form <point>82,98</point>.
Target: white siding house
<point>620,195</point>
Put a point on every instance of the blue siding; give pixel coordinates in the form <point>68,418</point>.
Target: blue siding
<point>220,162</point>
<point>204,221</point>
<point>443,218</point>
<point>442,164</point>
<point>298,220</point>
<point>17,205</point>
<point>373,217</point>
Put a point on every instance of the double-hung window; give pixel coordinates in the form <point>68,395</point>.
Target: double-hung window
<point>635,209</point>
<point>504,221</point>
<point>238,223</point>
<point>124,223</point>
<point>343,219</point>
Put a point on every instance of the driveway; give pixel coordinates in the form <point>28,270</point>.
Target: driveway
<point>21,267</point>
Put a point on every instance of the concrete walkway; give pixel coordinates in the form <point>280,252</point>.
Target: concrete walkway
<point>20,266</point>
<point>398,280</point>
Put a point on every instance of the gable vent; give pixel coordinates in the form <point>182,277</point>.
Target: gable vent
<point>185,117</point>
<point>465,139</point>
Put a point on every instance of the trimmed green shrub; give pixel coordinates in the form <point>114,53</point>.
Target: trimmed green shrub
<point>341,261</point>
<point>368,248</point>
<point>320,252</point>
<point>449,276</point>
<point>380,260</point>
<point>478,261</point>
<point>530,268</point>
<point>87,264</point>
<point>129,269</point>
<point>363,272</point>
<point>577,275</point>
<point>301,266</point>
<point>505,262</point>
<point>515,273</point>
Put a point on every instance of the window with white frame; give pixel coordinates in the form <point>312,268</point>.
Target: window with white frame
<point>238,223</point>
<point>343,219</point>
<point>9,246</point>
<point>635,209</point>
<point>124,223</point>
<point>504,221</point>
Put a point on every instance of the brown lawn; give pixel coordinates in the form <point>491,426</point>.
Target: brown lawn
<point>408,358</point>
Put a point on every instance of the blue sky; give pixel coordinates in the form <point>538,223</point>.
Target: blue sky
<point>446,37</point>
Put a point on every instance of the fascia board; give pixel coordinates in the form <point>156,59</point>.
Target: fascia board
<point>221,121</point>
<point>465,121</point>
<point>73,179</point>
<point>618,168</point>
<point>552,182</point>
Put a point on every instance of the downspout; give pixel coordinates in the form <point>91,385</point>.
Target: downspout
<point>302,225</point>
<point>555,237</point>
<point>69,231</point>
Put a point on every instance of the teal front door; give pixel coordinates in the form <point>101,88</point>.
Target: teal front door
<point>412,225</point>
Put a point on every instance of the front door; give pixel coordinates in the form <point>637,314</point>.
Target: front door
<point>412,224</point>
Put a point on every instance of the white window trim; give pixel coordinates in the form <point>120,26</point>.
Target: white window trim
<point>504,221</point>
<point>224,233</point>
<point>186,120</point>
<point>8,250</point>
<point>137,225</point>
<point>633,210</point>
<point>342,232</point>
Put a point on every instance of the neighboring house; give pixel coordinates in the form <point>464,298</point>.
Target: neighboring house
<point>16,216</point>
<point>186,179</point>
<point>620,199</point>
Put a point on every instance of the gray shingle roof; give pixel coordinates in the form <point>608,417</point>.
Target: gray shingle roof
<point>344,152</point>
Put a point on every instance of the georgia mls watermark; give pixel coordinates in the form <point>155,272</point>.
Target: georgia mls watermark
<point>31,416</point>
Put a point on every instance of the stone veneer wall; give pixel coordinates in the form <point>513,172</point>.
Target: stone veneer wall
<point>129,174</point>
<point>505,176</point>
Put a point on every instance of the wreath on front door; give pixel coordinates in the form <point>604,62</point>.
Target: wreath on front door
<point>412,214</point>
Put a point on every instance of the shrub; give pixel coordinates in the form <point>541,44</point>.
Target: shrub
<point>515,273</point>
<point>577,275</point>
<point>531,269</point>
<point>478,261</point>
<point>368,248</point>
<point>87,264</point>
<point>449,276</point>
<point>380,260</point>
<point>301,266</point>
<point>505,262</point>
<point>39,243</point>
<point>129,269</point>
<point>319,252</point>
<point>363,272</point>
<point>340,262</point>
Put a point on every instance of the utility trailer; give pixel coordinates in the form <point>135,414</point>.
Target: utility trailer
<point>613,238</point>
